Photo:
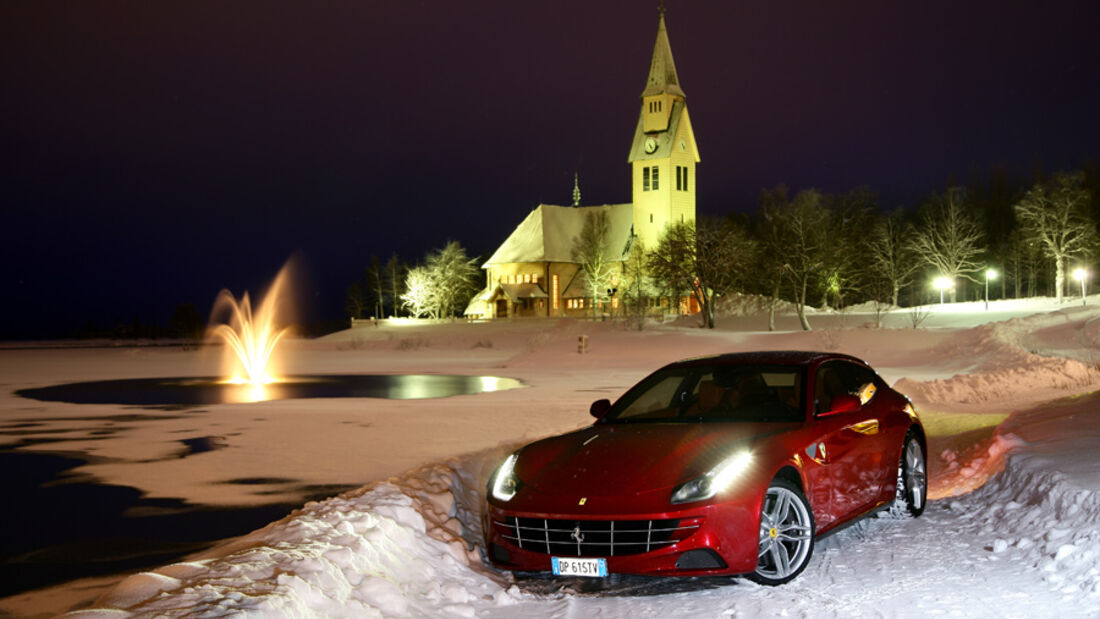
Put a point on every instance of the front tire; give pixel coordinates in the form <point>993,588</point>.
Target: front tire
<point>786,534</point>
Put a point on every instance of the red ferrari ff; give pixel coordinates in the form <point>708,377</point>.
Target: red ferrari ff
<point>732,464</point>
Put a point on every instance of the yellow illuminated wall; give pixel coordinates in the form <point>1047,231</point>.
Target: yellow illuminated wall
<point>673,200</point>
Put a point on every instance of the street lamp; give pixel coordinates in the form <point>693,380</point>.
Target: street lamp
<point>1081,275</point>
<point>942,283</point>
<point>989,274</point>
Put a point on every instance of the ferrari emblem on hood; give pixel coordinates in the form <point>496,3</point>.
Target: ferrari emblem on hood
<point>583,500</point>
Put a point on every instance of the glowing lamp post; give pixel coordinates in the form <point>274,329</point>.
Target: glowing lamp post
<point>990,274</point>
<point>941,284</point>
<point>1081,275</point>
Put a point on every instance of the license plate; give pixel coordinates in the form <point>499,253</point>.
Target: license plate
<point>564,566</point>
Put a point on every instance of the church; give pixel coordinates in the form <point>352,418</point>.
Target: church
<point>534,273</point>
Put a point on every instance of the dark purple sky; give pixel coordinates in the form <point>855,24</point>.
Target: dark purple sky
<point>156,152</point>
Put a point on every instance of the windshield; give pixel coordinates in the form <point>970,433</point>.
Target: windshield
<point>753,393</point>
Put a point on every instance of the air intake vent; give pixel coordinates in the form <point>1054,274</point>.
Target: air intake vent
<point>592,538</point>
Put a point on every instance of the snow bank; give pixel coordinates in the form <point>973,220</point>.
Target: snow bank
<point>396,548</point>
<point>1003,368</point>
<point>1041,520</point>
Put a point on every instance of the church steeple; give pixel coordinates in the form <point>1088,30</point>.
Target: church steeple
<point>663,154</point>
<point>662,78</point>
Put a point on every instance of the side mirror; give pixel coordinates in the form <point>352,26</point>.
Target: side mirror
<point>843,403</point>
<point>599,408</point>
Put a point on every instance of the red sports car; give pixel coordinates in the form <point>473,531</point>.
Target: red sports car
<point>731,464</point>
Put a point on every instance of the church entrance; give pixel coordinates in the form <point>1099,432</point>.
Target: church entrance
<point>502,308</point>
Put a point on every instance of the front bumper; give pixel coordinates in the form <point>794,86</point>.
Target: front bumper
<point>693,541</point>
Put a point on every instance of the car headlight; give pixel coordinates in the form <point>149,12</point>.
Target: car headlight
<point>505,483</point>
<point>716,480</point>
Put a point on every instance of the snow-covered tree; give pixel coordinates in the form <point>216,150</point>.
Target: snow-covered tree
<point>454,276</point>
<point>947,238</point>
<point>419,292</point>
<point>441,286</point>
<point>1055,215</point>
<point>590,249</point>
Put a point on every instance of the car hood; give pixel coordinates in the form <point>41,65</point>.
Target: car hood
<point>634,458</point>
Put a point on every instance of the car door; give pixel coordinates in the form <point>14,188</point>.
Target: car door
<point>849,443</point>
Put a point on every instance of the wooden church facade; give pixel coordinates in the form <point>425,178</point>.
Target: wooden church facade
<point>534,273</point>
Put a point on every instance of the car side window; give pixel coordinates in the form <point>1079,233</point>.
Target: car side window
<point>856,378</point>
<point>828,383</point>
<point>837,377</point>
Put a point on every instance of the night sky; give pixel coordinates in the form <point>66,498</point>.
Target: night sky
<point>156,152</point>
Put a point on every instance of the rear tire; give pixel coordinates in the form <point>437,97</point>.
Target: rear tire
<point>786,534</point>
<point>912,489</point>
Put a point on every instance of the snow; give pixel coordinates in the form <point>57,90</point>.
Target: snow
<point>1012,530</point>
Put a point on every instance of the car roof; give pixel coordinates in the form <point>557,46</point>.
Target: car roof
<point>767,357</point>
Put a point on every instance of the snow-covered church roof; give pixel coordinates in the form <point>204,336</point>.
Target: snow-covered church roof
<point>548,232</point>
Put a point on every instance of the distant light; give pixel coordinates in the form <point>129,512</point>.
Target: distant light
<point>990,274</point>
<point>943,283</point>
<point>1080,274</point>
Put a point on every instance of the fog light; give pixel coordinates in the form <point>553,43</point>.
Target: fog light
<point>499,554</point>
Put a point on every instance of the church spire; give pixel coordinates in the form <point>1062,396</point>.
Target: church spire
<point>576,191</point>
<point>662,70</point>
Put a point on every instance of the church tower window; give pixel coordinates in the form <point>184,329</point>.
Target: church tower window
<point>681,178</point>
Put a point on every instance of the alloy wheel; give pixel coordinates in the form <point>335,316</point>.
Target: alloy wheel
<point>786,534</point>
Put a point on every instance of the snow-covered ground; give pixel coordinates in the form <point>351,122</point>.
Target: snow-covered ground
<point>1013,528</point>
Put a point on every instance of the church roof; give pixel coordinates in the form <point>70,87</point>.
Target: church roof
<point>547,234</point>
<point>662,70</point>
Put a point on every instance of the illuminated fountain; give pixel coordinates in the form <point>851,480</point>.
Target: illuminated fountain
<point>253,370</point>
<point>250,337</point>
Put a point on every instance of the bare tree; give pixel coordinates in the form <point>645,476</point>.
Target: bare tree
<point>850,216</point>
<point>376,287</point>
<point>770,265</point>
<point>590,249</point>
<point>947,239</point>
<point>636,288</point>
<point>1055,214</point>
<point>355,300</point>
<point>797,229</point>
<point>707,259</point>
<point>395,279</point>
<point>892,260</point>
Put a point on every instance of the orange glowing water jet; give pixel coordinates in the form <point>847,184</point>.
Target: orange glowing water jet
<point>250,337</point>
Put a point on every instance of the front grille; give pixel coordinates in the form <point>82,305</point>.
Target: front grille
<point>592,538</point>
